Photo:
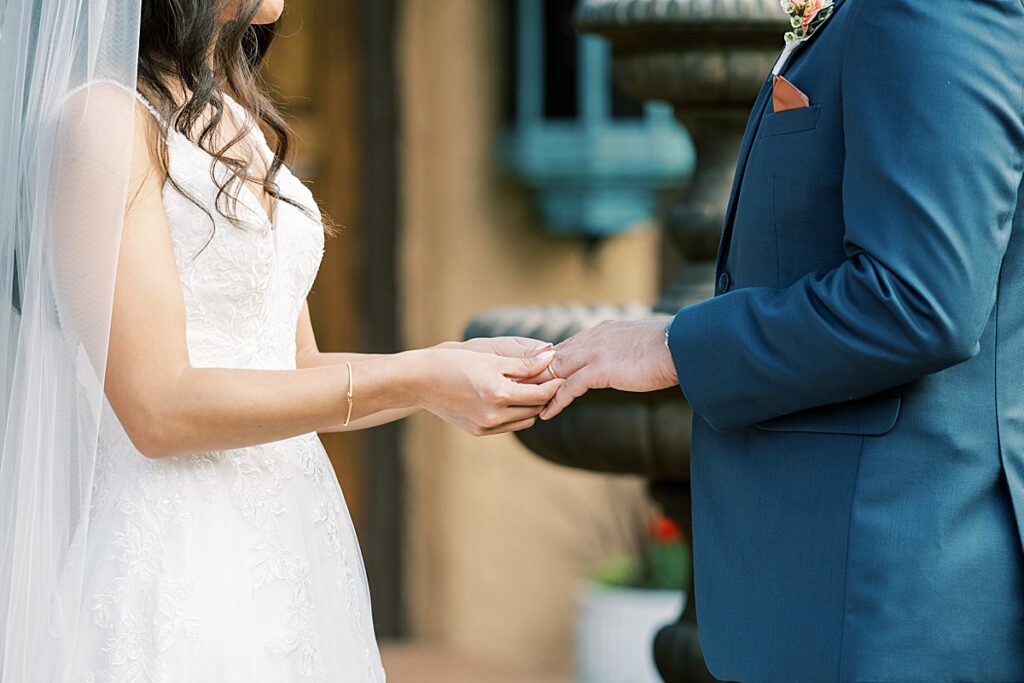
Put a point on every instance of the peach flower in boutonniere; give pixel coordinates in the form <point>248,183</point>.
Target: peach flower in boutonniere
<point>805,17</point>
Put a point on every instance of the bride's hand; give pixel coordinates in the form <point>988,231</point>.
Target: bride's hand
<point>484,393</point>
<point>510,347</point>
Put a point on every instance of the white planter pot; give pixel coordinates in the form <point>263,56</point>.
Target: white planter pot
<point>615,629</point>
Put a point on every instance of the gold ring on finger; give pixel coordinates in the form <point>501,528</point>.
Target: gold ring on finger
<point>551,369</point>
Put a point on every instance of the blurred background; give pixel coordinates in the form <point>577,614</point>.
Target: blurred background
<point>476,155</point>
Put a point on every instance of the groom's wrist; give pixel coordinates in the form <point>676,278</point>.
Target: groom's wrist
<point>665,363</point>
<point>674,333</point>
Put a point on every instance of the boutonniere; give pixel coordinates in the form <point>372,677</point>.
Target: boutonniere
<point>805,17</point>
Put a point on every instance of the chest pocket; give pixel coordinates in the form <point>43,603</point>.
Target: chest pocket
<point>791,121</point>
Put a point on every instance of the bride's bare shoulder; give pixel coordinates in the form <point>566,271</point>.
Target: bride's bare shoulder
<point>104,118</point>
<point>106,130</point>
<point>96,119</point>
<point>102,104</point>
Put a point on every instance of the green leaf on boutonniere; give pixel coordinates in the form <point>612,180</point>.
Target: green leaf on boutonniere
<point>806,16</point>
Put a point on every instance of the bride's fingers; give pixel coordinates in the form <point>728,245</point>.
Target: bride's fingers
<point>533,394</point>
<point>519,413</point>
<point>511,427</point>
<point>526,367</point>
<point>546,375</point>
<point>519,347</point>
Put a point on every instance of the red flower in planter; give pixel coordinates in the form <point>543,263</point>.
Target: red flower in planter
<point>664,530</point>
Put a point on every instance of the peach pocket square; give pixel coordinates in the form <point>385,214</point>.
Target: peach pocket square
<point>786,96</point>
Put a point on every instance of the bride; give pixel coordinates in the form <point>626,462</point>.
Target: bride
<point>168,513</point>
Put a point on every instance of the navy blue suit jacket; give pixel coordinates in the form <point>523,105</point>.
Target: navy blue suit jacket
<point>858,379</point>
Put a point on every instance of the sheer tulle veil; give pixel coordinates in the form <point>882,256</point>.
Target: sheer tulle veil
<point>67,81</point>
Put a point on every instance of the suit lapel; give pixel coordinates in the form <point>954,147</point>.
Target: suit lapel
<point>753,125</point>
<point>741,166</point>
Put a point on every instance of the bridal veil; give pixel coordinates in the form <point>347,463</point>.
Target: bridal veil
<point>67,78</point>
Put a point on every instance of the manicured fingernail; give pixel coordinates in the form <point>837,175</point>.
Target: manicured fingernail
<point>546,356</point>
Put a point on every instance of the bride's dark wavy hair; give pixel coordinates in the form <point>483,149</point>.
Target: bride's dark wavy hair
<point>188,51</point>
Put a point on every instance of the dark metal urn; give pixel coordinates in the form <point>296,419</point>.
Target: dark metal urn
<point>707,58</point>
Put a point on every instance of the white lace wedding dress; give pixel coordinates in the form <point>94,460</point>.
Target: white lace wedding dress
<point>242,565</point>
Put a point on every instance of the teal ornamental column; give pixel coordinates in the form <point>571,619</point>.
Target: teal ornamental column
<point>596,165</point>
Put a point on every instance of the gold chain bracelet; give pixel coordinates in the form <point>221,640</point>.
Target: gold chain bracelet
<point>351,392</point>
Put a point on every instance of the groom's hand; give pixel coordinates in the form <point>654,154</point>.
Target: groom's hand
<point>628,355</point>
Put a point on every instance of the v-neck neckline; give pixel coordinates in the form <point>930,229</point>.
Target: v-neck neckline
<point>269,216</point>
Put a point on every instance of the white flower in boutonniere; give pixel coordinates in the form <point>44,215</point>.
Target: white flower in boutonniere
<point>805,17</point>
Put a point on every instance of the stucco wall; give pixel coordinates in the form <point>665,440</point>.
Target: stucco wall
<point>496,538</point>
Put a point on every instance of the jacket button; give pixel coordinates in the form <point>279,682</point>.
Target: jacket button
<point>724,282</point>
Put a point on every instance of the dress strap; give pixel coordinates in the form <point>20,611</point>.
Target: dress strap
<point>152,110</point>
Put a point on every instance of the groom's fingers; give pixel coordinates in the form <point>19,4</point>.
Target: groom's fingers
<point>572,389</point>
<point>569,359</point>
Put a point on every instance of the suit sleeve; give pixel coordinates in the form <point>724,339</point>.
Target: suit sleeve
<point>932,98</point>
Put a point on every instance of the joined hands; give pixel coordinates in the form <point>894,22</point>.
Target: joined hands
<point>513,381</point>
<point>488,386</point>
<point>628,355</point>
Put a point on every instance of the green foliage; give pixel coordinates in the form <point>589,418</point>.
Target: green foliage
<point>619,571</point>
<point>660,566</point>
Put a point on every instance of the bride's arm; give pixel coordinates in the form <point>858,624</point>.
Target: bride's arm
<point>309,355</point>
<point>168,407</point>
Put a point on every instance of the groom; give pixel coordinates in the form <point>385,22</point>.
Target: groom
<point>858,379</point>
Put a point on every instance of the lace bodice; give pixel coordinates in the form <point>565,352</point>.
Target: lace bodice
<point>245,288</point>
